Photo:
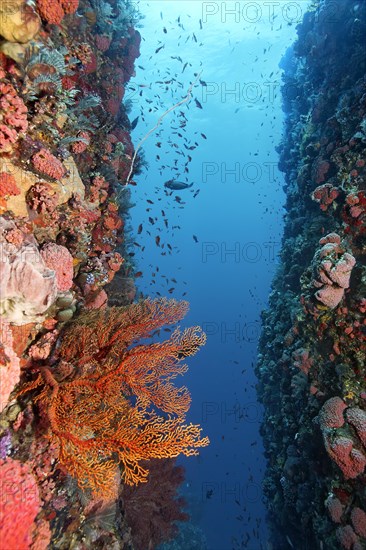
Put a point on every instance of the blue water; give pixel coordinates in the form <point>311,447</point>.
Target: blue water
<point>236,217</point>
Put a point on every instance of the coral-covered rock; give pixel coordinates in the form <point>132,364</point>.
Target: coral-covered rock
<point>9,364</point>
<point>96,299</point>
<point>8,186</point>
<point>58,192</point>
<point>346,537</point>
<point>102,42</point>
<point>18,21</point>
<point>335,508</point>
<point>42,349</point>
<point>80,146</point>
<point>325,195</point>
<point>13,117</point>
<point>59,259</point>
<point>302,360</point>
<point>42,198</point>
<point>41,535</point>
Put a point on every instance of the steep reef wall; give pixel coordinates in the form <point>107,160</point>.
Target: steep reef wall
<point>77,437</point>
<point>312,351</point>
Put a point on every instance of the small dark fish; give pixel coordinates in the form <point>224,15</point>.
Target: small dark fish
<point>164,30</point>
<point>203,83</point>
<point>198,103</point>
<point>195,239</point>
<point>139,230</point>
<point>203,135</point>
<point>151,220</point>
<point>200,24</point>
<point>149,201</point>
<point>134,123</point>
<point>157,240</point>
<point>176,185</point>
<point>160,48</point>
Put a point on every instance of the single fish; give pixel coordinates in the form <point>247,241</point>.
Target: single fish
<point>134,123</point>
<point>176,185</point>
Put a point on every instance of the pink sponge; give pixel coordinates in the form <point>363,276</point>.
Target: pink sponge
<point>357,417</point>
<point>331,414</point>
<point>59,259</point>
<point>46,163</point>
<point>350,460</point>
<point>347,537</point>
<point>27,287</point>
<point>358,517</point>
<point>19,504</point>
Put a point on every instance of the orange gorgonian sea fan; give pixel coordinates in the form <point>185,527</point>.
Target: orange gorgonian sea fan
<point>109,403</point>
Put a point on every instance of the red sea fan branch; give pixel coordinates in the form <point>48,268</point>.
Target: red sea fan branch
<point>91,415</point>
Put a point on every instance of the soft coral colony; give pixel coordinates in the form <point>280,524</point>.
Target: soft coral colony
<point>83,408</point>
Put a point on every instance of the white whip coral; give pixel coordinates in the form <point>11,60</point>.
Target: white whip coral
<point>184,100</point>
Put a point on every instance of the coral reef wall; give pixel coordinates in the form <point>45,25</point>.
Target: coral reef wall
<point>72,435</point>
<point>312,351</point>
